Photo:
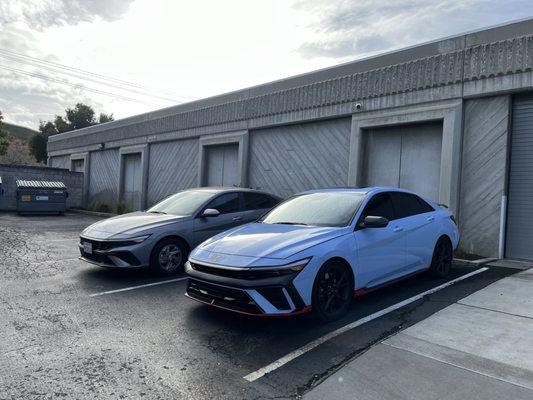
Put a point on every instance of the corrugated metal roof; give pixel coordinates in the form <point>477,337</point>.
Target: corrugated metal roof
<point>40,184</point>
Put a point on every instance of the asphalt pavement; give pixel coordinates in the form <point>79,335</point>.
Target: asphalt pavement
<point>73,330</point>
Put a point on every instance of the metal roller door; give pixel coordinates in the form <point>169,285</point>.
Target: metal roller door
<point>519,237</point>
<point>132,181</point>
<point>222,163</point>
<point>404,156</point>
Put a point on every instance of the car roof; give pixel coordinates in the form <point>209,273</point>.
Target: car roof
<point>225,189</point>
<point>362,190</point>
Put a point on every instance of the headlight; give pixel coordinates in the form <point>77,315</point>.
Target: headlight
<point>139,239</point>
<point>296,266</point>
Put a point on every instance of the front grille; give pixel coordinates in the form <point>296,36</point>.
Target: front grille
<point>97,257</point>
<point>234,299</point>
<point>247,274</point>
<point>103,245</point>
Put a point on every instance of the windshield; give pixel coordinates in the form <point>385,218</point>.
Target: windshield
<point>182,203</point>
<point>317,209</point>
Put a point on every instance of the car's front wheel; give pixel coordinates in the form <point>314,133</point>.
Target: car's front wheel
<point>332,291</point>
<point>168,257</point>
<point>441,261</point>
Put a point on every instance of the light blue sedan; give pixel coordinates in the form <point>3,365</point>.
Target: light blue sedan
<point>317,249</point>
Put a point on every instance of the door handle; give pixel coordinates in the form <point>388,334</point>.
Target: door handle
<point>431,218</point>
<point>397,229</point>
<point>236,218</point>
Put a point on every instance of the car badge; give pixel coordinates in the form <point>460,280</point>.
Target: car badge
<point>216,257</point>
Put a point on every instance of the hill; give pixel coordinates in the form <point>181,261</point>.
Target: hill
<point>19,132</point>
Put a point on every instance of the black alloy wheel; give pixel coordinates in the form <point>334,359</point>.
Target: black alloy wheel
<point>332,291</point>
<point>441,262</point>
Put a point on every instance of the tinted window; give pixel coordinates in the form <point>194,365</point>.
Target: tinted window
<point>182,203</point>
<point>227,203</point>
<point>379,206</point>
<point>406,205</point>
<point>258,201</point>
<point>316,209</point>
<point>425,206</point>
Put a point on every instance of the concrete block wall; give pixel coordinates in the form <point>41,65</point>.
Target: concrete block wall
<point>10,174</point>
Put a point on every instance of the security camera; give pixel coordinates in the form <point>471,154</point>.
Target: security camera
<point>358,106</point>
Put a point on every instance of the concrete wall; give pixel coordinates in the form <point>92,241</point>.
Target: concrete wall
<point>173,167</point>
<point>60,162</point>
<point>485,133</point>
<point>289,159</point>
<point>104,177</point>
<point>10,174</point>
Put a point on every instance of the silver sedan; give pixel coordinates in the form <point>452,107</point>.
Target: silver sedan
<point>161,237</point>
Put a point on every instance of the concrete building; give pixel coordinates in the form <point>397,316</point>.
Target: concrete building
<point>451,119</point>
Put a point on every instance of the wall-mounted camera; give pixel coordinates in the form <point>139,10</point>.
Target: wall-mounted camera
<point>358,107</point>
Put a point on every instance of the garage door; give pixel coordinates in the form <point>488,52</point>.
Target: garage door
<point>406,157</point>
<point>519,242</point>
<point>132,181</point>
<point>222,165</point>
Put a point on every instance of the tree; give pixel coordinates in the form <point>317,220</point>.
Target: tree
<point>105,118</point>
<point>80,116</point>
<point>4,137</point>
<point>49,128</point>
<point>60,125</point>
<point>37,145</point>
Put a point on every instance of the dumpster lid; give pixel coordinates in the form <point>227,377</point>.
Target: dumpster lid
<point>40,184</point>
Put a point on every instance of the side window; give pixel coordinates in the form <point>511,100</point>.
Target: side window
<point>406,204</point>
<point>425,206</point>
<point>258,201</point>
<point>379,206</point>
<point>226,203</point>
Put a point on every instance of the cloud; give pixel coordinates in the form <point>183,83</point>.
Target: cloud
<point>350,29</point>
<point>340,47</point>
<point>26,100</point>
<point>42,14</point>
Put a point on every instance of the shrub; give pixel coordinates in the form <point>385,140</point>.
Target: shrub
<point>99,207</point>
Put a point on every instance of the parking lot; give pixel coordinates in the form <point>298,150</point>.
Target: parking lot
<point>73,330</point>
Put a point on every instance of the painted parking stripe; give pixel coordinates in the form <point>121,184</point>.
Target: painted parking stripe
<point>126,289</point>
<point>317,342</point>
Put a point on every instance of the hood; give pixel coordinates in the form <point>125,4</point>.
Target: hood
<point>130,224</point>
<point>269,240</point>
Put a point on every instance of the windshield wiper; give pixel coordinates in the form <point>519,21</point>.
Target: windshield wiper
<point>157,212</point>
<point>291,223</point>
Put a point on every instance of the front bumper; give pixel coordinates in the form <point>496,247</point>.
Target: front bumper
<point>271,296</point>
<point>112,254</point>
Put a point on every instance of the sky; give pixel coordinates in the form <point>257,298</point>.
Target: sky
<point>127,57</point>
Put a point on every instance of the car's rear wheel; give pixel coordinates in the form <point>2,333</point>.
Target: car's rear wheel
<point>441,261</point>
<point>168,257</point>
<point>332,291</point>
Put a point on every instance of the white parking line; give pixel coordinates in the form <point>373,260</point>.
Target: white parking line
<point>137,287</point>
<point>317,342</point>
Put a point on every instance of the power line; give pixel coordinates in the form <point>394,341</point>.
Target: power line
<point>84,74</point>
<point>74,75</point>
<point>77,86</point>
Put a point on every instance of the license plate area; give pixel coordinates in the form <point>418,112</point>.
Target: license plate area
<point>88,247</point>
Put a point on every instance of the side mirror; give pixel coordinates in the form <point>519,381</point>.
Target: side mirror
<point>374,222</point>
<point>210,212</point>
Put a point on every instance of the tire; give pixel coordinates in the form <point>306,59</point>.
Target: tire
<point>332,291</point>
<point>168,257</point>
<point>441,262</point>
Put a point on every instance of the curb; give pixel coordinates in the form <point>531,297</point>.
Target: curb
<point>93,213</point>
<point>477,263</point>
